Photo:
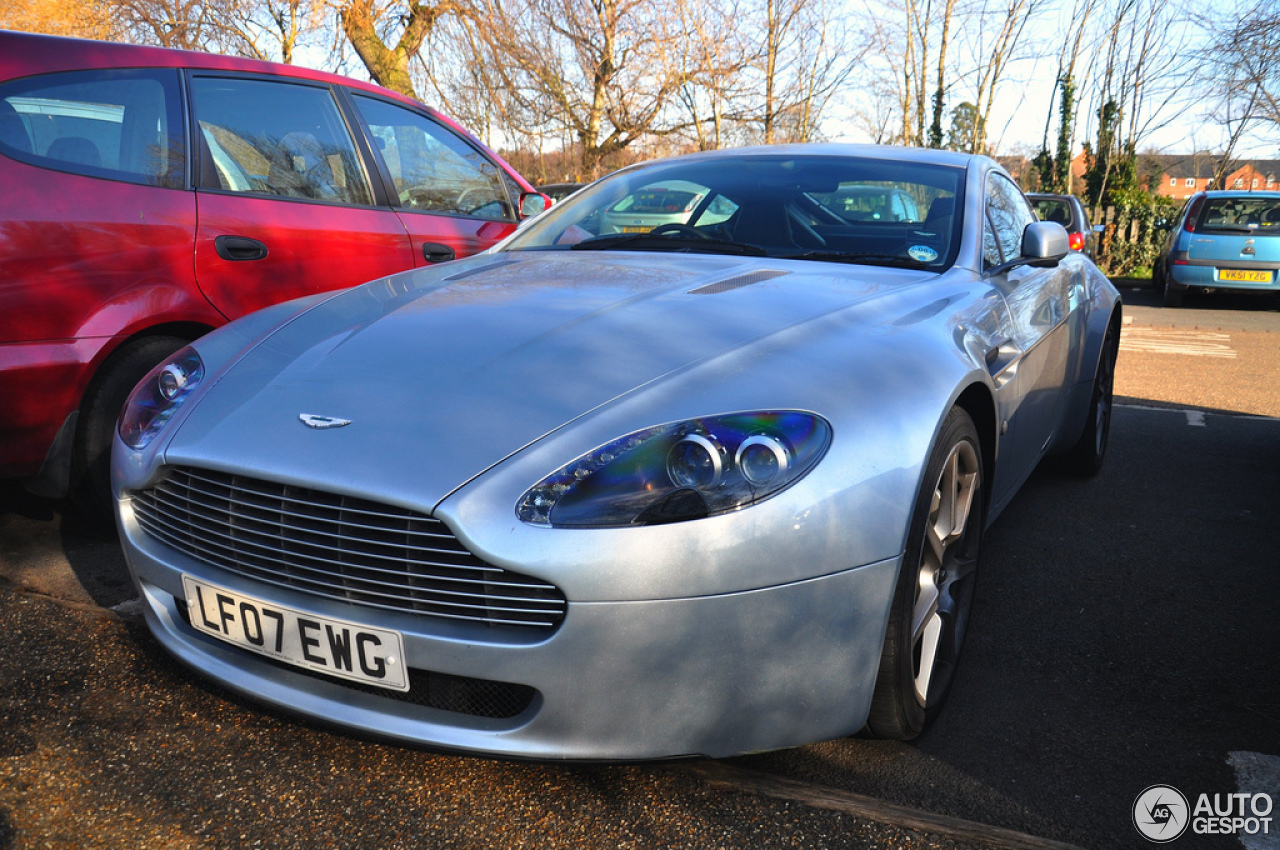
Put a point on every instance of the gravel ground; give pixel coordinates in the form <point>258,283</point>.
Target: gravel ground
<point>106,742</point>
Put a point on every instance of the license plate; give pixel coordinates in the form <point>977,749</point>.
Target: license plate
<point>1244,276</point>
<point>336,647</point>
<point>635,228</point>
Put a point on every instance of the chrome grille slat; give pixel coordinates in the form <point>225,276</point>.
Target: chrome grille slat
<point>316,576</point>
<point>170,514</point>
<point>168,486</point>
<point>340,548</point>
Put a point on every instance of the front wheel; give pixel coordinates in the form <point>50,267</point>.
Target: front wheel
<point>930,612</point>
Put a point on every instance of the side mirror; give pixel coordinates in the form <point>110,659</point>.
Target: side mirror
<point>533,203</point>
<point>1045,243</point>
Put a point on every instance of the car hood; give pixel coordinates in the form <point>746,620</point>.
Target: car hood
<point>445,372</point>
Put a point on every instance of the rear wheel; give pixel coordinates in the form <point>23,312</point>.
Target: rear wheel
<point>1158,279</point>
<point>102,402</point>
<point>930,612</point>
<point>1086,456</point>
<point>1173,297</point>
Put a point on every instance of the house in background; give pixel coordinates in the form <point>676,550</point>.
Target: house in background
<point>1179,176</point>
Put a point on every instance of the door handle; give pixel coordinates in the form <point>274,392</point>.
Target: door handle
<point>1001,356</point>
<point>239,248</point>
<point>434,252</point>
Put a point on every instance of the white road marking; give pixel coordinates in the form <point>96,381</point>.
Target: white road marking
<point>1187,413</point>
<point>1195,417</point>
<point>1257,773</point>
<point>1169,341</point>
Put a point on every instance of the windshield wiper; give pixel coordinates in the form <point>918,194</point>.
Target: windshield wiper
<point>662,241</point>
<point>859,258</point>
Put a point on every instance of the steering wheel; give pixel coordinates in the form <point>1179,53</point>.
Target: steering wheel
<point>467,200</point>
<point>680,230</point>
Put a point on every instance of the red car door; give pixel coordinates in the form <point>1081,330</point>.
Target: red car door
<point>453,199</point>
<point>285,206</point>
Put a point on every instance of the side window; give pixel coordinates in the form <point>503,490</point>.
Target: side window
<point>121,125</point>
<point>1007,217</point>
<point>433,169</point>
<point>276,138</point>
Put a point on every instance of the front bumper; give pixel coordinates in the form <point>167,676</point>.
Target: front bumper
<point>714,675</point>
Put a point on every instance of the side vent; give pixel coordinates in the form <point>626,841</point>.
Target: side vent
<point>737,282</point>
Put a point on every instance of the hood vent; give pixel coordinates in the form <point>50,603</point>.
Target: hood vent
<point>737,282</point>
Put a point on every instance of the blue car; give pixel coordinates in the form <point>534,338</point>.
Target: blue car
<point>1223,240</point>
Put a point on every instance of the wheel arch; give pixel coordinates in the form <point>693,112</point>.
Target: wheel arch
<point>56,474</point>
<point>978,401</point>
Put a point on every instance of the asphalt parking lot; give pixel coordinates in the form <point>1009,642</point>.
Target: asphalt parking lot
<point>1124,635</point>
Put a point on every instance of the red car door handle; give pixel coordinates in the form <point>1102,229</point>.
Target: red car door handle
<point>434,252</point>
<point>239,248</point>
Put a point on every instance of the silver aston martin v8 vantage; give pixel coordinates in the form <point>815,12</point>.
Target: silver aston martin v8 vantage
<point>707,488</point>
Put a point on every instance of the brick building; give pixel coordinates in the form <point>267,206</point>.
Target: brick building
<point>1179,176</point>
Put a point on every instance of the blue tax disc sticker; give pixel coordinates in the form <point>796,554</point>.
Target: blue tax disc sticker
<point>922,253</point>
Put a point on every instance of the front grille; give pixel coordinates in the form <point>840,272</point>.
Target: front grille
<point>339,547</point>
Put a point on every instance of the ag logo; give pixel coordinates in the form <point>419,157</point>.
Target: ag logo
<point>1160,813</point>
<point>322,422</point>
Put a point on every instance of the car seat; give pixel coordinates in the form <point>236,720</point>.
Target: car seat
<point>306,172</point>
<point>76,149</point>
<point>13,133</point>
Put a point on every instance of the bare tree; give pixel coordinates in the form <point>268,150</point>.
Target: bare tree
<point>1141,73</point>
<point>388,36</point>
<point>940,88</point>
<point>806,54</point>
<point>55,17</point>
<point>595,71</point>
<point>184,24</point>
<point>996,41</point>
<point>707,49</point>
<point>274,29</point>
<point>1241,77</point>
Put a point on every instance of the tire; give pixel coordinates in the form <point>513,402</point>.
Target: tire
<point>1159,281</point>
<point>91,470</point>
<point>1173,297</point>
<point>930,611</point>
<point>1085,458</point>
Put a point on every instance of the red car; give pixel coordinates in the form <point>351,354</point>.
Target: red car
<point>150,195</point>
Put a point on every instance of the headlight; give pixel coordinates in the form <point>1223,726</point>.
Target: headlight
<point>158,396</point>
<point>679,471</point>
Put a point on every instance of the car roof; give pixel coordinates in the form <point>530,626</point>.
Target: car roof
<point>1242,194</point>
<point>27,54</point>
<point>887,152</point>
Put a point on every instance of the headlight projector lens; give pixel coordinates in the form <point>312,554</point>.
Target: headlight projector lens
<point>695,461</point>
<point>762,459</point>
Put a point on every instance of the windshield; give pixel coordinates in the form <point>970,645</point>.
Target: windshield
<point>818,207</point>
<point>1053,209</point>
<point>1260,215</point>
